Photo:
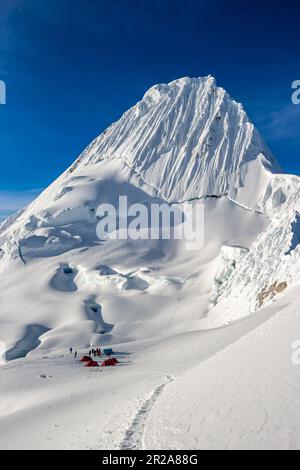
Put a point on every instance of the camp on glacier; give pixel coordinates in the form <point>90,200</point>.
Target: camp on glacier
<point>196,331</point>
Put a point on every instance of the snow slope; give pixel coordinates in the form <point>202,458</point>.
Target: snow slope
<point>242,398</point>
<point>186,143</point>
<point>228,388</point>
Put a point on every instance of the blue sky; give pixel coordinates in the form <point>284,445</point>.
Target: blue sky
<point>73,66</point>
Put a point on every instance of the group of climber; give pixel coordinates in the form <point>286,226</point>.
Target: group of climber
<point>89,362</point>
<point>95,352</point>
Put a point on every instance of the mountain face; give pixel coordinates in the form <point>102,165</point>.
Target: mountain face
<point>188,139</point>
<point>184,142</point>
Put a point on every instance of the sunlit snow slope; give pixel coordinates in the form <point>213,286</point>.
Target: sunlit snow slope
<point>184,142</point>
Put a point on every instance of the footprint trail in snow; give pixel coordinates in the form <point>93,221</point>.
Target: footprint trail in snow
<point>133,439</point>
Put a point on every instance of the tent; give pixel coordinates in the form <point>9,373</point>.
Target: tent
<point>85,359</point>
<point>107,352</point>
<point>110,362</point>
<point>91,363</point>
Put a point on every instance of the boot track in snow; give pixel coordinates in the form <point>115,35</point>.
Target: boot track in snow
<point>133,439</point>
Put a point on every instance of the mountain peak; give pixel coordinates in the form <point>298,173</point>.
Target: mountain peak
<point>188,138</point>
<point>179,85</point>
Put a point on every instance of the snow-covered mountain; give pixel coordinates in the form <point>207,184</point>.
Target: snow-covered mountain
<point>187,139</point>
<point>191,376</point>
<point>184,142</point>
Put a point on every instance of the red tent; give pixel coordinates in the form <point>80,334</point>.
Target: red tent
<point>91,363</point>
<point>110,362</point>
<point>85,359</point>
